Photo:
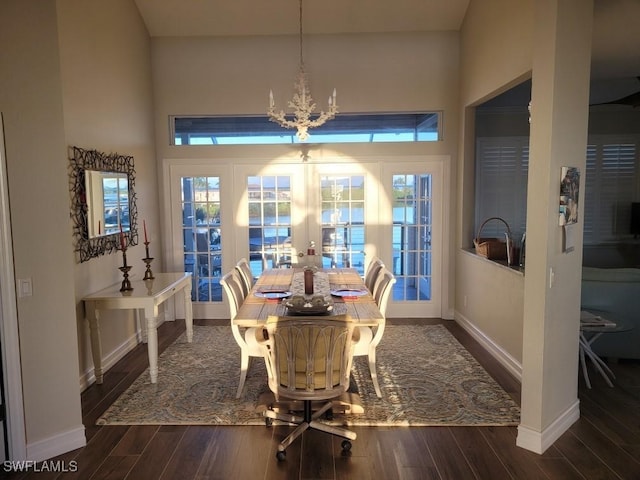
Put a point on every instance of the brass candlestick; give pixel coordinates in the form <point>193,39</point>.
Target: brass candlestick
<point>148,274</point>
<point>126,283</point>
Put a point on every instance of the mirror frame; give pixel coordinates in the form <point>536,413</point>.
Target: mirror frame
<point>82,160</point>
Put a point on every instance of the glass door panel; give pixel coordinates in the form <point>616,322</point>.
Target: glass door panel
<point>343,213</point>
<point>415,250</point>
<point>411,234</point>
<point>202,236</point>
<point>269,214</point>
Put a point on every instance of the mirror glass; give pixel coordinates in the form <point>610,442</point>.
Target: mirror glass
<point>103,201</point>
<point>107,202</point>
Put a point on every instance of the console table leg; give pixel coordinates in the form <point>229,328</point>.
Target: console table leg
<point>152,347</point>
<point>96,344</point>
<point>188,312</point>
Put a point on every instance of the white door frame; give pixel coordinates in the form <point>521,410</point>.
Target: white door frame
<point>434,166</point>
<point>174,234</point>
<point>14,406</point>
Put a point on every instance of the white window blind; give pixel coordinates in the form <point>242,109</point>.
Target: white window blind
<point>501,184</point>
<point>611,183</point>
<point>610,187</point>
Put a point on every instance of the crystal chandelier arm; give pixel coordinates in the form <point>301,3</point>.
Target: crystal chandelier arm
<point>281,119</point>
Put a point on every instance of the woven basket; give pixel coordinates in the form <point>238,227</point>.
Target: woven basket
<point>493,248</point>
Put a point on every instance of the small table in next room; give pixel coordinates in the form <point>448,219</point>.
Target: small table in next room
<point>594,324</point>
<point>146,296</point>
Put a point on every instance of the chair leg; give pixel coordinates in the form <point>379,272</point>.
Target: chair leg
<point>341,432</point>
<point>292,436</point>
<point>244,366</point>
<point>374,373</point>
<point>283,417</point>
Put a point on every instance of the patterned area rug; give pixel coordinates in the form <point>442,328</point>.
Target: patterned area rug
<point>426,377</point>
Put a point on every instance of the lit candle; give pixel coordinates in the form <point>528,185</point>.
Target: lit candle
<point>144,224</point>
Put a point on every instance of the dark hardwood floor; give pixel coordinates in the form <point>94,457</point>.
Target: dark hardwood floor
<point>603,444</point>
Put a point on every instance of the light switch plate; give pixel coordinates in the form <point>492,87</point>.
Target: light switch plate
<point>25,287</point>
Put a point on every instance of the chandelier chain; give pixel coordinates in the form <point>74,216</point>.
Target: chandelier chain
<point>302,118</point>
<point>301,37</point>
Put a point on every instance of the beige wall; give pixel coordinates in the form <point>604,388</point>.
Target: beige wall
<point>502,42</point>
<point>31,102</point>
<point>371,72</point>
<point>107,98</point>
<point>95,92</point>
<point>73,72</point>
<point>495,54</point>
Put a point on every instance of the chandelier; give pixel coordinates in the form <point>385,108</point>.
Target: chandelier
<point>302,104</point>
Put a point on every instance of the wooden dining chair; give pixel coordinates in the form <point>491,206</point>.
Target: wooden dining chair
<point>375,265</point>
<point>246,275</point>
<point>233,288</point>
<point>308,361</point>
<point>370,336</point>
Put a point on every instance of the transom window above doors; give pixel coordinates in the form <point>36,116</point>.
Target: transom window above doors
<point>345,128</point>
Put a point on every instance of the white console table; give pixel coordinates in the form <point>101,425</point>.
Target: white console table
<point>145,297</point>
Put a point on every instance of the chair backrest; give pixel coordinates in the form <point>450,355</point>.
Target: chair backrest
<point>309,358</point>
<point>382,289</point>
<point>375,265</point>
<point>232,286</point>
<point>381,293</point>
<point>244,269</point>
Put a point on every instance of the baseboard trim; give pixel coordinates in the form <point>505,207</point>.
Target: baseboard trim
<point>88,378</point>
<point>496,351</point>
<point>538,442</point>
<point>57,445</point>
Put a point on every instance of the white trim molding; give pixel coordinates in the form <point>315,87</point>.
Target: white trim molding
<point>16,435</point>
<point>57,445</point>
<point>506,360</point>
<point>538,442</point>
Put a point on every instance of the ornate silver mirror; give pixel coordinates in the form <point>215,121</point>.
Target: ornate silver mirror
<point>103,202</point>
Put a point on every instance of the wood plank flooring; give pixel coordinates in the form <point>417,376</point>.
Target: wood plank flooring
<point>603,444</point>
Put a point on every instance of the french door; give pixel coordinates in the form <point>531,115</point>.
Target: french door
<point>347,212</point>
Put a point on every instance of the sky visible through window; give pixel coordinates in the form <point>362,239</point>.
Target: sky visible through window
<point>369,128</point>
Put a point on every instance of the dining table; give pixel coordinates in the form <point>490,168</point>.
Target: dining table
<point>342,288</point>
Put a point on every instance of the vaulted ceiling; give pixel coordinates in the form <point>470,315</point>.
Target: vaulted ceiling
<point>616,36</point>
